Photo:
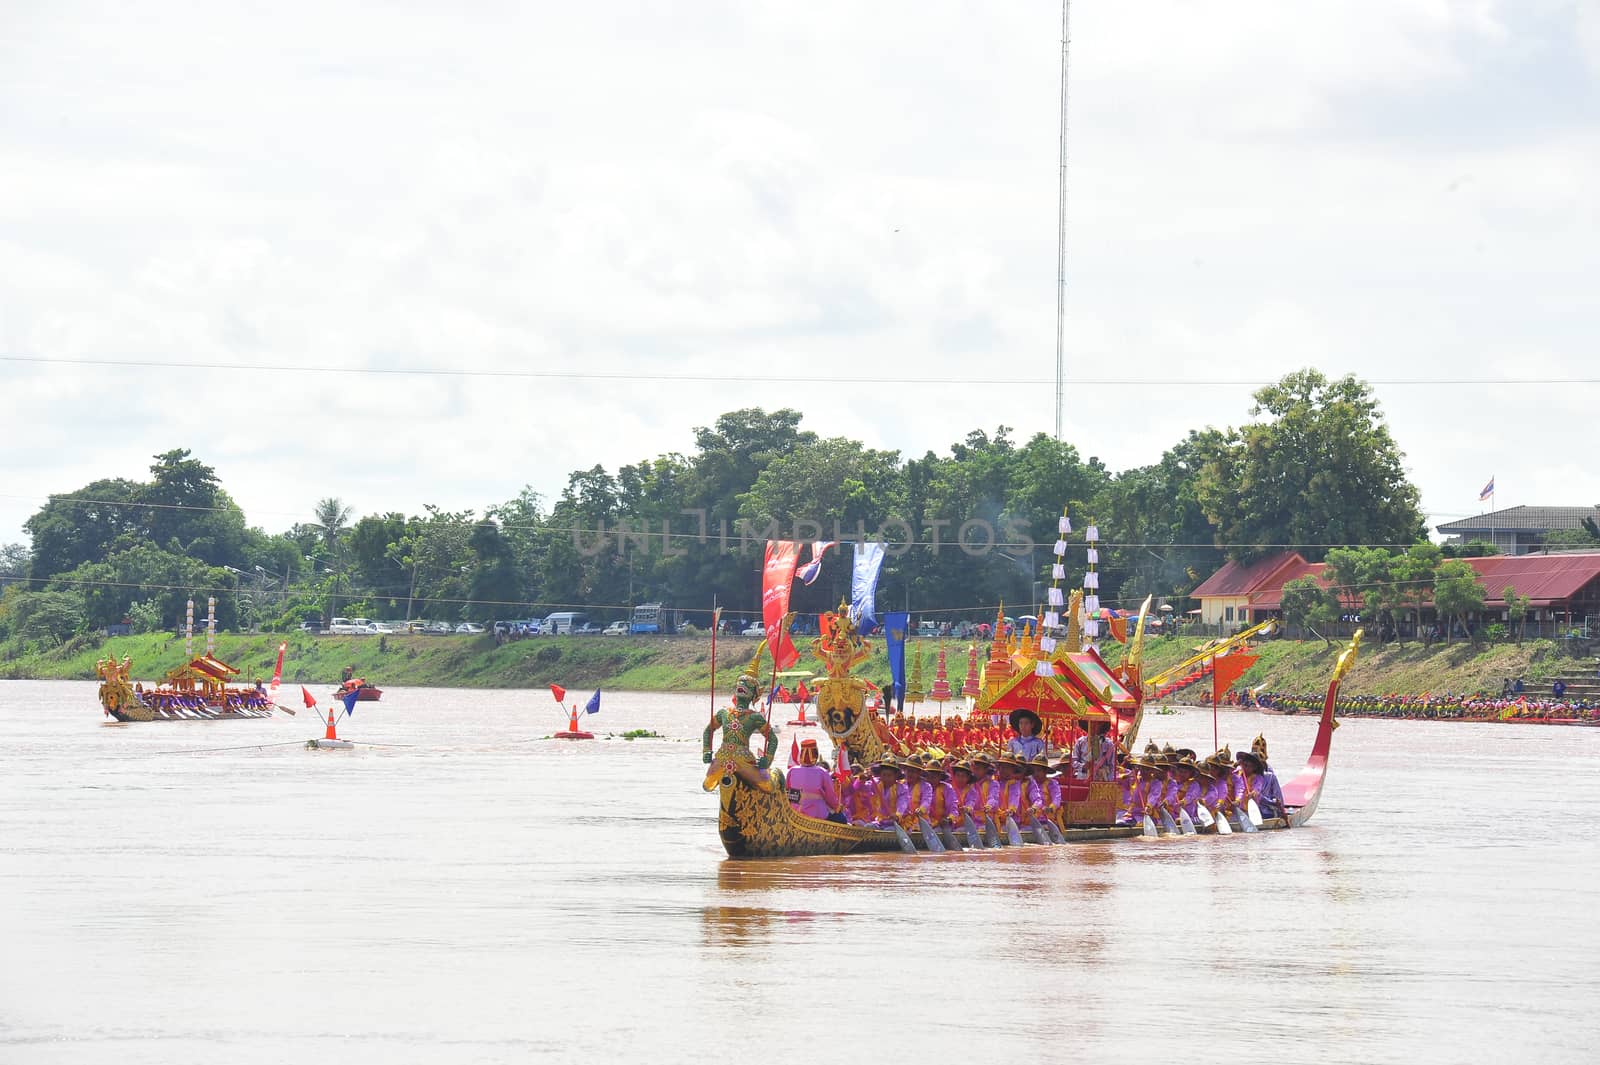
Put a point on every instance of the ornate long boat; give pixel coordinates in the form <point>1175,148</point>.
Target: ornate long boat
<point>756,819</point>
<point>196,691</point>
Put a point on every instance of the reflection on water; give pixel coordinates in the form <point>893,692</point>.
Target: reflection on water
<point>471,892</point>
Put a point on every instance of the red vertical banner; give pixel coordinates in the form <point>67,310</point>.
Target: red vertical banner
<point>777,577</point>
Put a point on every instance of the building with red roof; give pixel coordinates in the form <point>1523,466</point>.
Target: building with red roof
<point>1559,587</point>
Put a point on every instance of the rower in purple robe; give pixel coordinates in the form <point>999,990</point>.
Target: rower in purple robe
<point>811,787</point>
<point>1260,782</point>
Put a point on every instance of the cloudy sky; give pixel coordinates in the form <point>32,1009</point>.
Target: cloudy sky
<point>1408,190</point>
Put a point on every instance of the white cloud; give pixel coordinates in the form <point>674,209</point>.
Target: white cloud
<point>820,189</point>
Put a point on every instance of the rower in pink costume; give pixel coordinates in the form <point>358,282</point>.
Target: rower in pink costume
<point>811,787</point>
<point>1187,771</point>
<point>893,799</point>
<point>943,807</point>
<point>1049,787</point>
<point>861,797</point>
<point>985,791</point>
<point>1019,798</point>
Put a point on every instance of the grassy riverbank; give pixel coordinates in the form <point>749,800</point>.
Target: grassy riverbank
<point>643,663</point>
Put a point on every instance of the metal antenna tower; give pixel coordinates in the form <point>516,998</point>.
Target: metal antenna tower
<point>1061,224</point>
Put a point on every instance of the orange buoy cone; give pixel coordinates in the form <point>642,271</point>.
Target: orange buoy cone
<point>572,726</point>
<point>332,735</point>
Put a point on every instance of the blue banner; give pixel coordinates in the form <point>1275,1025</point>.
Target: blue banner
<point>350,698</point>
<point>864,585</point>
<point>593,705</point>
<point>894,628</point>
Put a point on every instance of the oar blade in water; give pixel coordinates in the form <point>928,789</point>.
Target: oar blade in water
<point>1149,826</point>
<point>1168,825</point>
<point>904,839</point>
<point>952,841</point>
<point>1055,832</point>
<point>1204,819</point>
<point>1186,823</point>
<point>929,836</point>
<point>991,833</point>
<point>974,835</point>
<point>1255,813</point>
<point>1013,833</point>
<point>1223,828</point>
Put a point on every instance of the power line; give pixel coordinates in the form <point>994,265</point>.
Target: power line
<point>703,378</point>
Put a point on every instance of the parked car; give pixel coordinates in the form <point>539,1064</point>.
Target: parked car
<point>438,628</point>
<point>385,628</point>
<point>616,628</point>
<point>311,626</point>
<point>755,628</point>
<point>469,629</point>
<point>588,628</point>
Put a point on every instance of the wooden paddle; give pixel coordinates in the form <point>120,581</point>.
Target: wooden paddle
<point>929,836</point>
<point>904,840</point>
<point>952,842</point>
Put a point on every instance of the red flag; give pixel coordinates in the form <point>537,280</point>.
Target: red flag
<point>777,576</point>
<point>794,751</point>
<point>311,701</point>
<point>804,695</point>
<point>559,692</point>
<point>1228,669</point>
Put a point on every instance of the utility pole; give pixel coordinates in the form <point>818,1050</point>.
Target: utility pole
<point>1061,225</point>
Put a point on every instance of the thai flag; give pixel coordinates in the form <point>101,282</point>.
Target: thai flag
<point>808,572</point>
<point>1488,491</point>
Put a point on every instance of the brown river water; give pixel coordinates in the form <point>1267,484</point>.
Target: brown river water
<point>461,890</point>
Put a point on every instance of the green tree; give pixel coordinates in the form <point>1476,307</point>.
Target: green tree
<point>14,561</point>
<point>1516,609</point>
<point>81,526</point>
<point>1411,579</point>
<point>1586,535</point>
<point>1456,594</point>
<point>1320,470</point>
<point>185,510</point>
<point>1308,605</point>
<point>1152,515</point>
<point>434,555</point>
<point>49,616</point>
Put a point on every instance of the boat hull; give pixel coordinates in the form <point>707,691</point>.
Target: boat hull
<point>136,712</point>
<point>757,823</point>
